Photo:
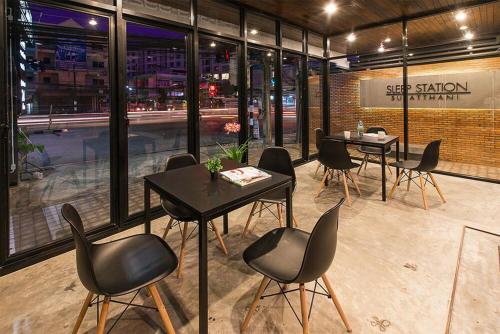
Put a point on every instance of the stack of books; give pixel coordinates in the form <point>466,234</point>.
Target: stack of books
<point>244,176</point>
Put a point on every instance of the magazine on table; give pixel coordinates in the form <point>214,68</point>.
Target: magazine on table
<point>244,176</point>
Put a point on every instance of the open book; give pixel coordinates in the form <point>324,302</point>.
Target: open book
<point>245,175</point>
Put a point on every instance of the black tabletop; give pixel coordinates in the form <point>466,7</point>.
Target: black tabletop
<point>366,139</point>
<point>193,188</point>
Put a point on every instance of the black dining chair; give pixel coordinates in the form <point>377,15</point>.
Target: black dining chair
<point>335,157</point>
<point>274,159</point>
<point>291,256</point>
<point>373,151</point>
<point>119,267</point>
<point>320,135</point>
<point>422,168</point>
<point>179,215</point>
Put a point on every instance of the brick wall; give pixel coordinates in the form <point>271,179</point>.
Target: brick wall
<point>315,114</point>
<point>469,135</point>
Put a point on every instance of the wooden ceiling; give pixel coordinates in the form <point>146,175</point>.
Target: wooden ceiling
<point>351,14</point>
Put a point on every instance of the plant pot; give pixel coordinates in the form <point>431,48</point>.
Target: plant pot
<point>213,175</point>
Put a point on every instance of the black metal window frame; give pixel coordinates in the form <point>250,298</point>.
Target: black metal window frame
<point>118,17</point>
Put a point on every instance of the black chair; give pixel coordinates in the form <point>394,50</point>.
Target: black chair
<point>320,135</point>
<point>119,267</point>
<point>423,169</point>
<point>291,256</point>
<point>335,157</point>
<point>369,151</point>
<point>179,215</point>
<point>275,159</point>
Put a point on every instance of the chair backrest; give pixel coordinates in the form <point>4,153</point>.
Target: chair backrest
<point>334,154</point>
<point>430,158</point>
<point>321,246</point>
<point>376,129</point>
<point>277,159</point>
<point>320,134</point>
<point>83,248</point>
<point>180,160</point>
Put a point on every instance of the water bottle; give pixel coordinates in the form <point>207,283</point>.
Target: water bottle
<point>360,128</point>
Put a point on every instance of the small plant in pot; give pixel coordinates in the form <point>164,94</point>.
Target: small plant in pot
<point>214,165</point>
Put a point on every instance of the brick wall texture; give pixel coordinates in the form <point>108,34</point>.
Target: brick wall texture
<point>469,135</point>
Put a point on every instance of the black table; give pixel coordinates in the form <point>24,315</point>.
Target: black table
<point>372,141</point>
<point>192,188</point>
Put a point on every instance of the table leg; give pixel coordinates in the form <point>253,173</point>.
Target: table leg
<point>383,162</point>
<point>203,277</point>
<point>289,209</point>
<point>226,224</point>
<point>397,158</point>
<point>147,217</point>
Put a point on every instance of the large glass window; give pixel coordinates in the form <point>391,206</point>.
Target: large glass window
<point>315,95</point>
<point>156,103</point>
<point>261,29</point>
<point>456,97</point>
<point>366,63</point>
<point>261,116</point>
<point>291,37</point>
<point>175,10</point>
<point>218,94</point>
<point>315,44</point>
<point>219,17</point>
<point>292,104</point>
<point>59,113</point>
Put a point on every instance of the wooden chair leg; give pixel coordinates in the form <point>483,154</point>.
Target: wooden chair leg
<point>346,190</point>
<point>317,168</point>
<point>295,222</point>
<point>161,309</point>
<point>169,226</point>
<point>303,309</point>
<point>366,163</point>
<point>183,250</point>
<point>83,311</point>
<point>250,218</point>
<point>336,303</point>
<point>396,184</point>
<point>437,187</point>
<point>355,183</point>
<point>102,318</point>
<point>280,214</point>
<point>361,166</point>
<point>254,304</point>
<point>388,168</point>
<point>219,237</point>
<point>409,182</point>
<point>261,208</point>
<point>422,188</point>
<point>322,185</point>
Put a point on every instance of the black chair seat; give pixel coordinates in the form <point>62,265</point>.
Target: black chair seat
<point>278,254</point>
<point>406,164</point>
<point>129,264</point>
<point>277,196</point>
<point>177,212</point>
<point>372,150</point>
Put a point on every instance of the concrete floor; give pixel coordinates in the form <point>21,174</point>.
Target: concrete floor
<point>394,270</point>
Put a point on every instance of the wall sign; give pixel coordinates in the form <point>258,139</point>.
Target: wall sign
<point>462,91</point>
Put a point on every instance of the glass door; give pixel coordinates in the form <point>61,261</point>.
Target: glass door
<point>156,104</point>
<point>218,94</point>
<point>59,112</point>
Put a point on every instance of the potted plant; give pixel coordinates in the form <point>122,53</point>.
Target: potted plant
<point>214,165</point>
<point>233,151</point>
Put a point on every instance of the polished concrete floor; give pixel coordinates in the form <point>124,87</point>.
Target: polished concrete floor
<point>394,270</point>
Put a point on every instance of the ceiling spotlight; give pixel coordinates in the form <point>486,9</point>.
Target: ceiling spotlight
<point>284,58</point>
<point>212,45</point>
<point>269,54</point>
<point>463,27</point>
<point>331,8</point>
<point>469,47</point>
<point>93,22</point>
<point>410,54</point>
<point>387,40</point>
<point>254,31</point>
<point>460,16</point>
<point>351,37</point>
<point>381,48</point>
<point>469,35</point>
